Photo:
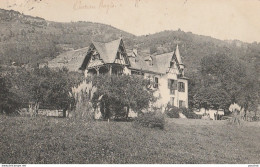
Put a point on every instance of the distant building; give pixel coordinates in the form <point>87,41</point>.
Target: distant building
<point>165,70</point>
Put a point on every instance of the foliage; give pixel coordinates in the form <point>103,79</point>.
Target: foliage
<point>48,87</point>
<point>83,95</point>
<point>212,98</point>
<point>236,119</point>
<point>189,113</point>
<point>119,92</point>
<point>8,100</point>
<point>223,80</point>
<point>151,120</point>
<point>172,111</point>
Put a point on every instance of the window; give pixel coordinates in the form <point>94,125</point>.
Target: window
<point>156,82</point>
<point>181,72</point>
<point>150,62</point>
<point>119,56</point>
<point>181,87</point>
<point>172,84</point>
<point>149,78</point>
<point>172,101</point>
<point>171,64</point>
<point>172,91</point>
<point>95,56</point>
<point>181,103</point>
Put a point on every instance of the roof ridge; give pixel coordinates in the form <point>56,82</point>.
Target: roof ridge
<point>163,53</point>
<point>106,42</point>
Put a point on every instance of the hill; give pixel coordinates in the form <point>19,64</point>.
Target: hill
<point>30,40</point>
<point>193,47</point>
<point>26,39</point>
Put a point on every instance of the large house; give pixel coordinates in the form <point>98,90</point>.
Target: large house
<point>166,70</point>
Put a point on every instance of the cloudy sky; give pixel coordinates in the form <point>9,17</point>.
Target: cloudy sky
<point>222,19</point>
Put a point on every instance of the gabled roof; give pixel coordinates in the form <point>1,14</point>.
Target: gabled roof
<point>107,51</point>
<point>70,59</point>
<point>138,63</point>
<point>161,63</point>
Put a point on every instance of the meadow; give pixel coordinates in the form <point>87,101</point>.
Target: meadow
<point>26,140</point>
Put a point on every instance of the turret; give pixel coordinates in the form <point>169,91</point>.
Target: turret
<point>178,56</point>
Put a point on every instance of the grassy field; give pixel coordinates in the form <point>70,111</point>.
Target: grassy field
<point>58,140</point>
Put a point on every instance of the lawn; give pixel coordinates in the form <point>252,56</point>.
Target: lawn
<point>57,140</point>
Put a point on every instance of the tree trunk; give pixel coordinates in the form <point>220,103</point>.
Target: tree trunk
<point>127,112</point>
<point>64,112</point>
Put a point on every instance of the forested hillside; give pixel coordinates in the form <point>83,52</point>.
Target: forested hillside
<point>194,47</point>
<point>25,39</point>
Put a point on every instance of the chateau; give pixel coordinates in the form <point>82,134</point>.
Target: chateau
<point>165,70</point>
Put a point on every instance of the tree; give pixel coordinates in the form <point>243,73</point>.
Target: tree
<point>8,101</point>
<point>119,92</point>
<point>53,87</point>
<point>212,98</point>
<point>45,87</point>
<point>222,80</point>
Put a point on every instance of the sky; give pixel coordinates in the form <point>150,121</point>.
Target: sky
<point>221,19</point>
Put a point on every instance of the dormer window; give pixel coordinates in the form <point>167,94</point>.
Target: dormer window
<point>119,56</point>
<point>172,64</point>
<point>181,72</point>
<point>95,56</point>
<point>149,61</point>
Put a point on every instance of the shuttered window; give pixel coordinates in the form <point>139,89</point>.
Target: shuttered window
<point>156,82</point>
<point>181,87</point>
<point>172,84</point>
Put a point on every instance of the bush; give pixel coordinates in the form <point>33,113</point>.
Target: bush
<point>189,113</point>
<point>255,118</point>
<point>151,120</point>
<point>9,102</point>
<point>172,111</point>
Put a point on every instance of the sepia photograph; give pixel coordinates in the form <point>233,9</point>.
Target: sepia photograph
<point>129,82</point>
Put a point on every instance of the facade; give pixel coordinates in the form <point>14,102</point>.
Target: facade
<point>165,70</point>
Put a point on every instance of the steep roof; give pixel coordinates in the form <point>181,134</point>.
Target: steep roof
<point>161,63</point>
<point>107,51</point>
<point>138,63</point>
<point>70,59</point>
<point>178,56</point>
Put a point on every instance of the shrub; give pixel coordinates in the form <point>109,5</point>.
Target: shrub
<point>172,111</point>
<point>9,102</point>
<point>151,120</point>
<point>189,113</point>
<point>255,118</point>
